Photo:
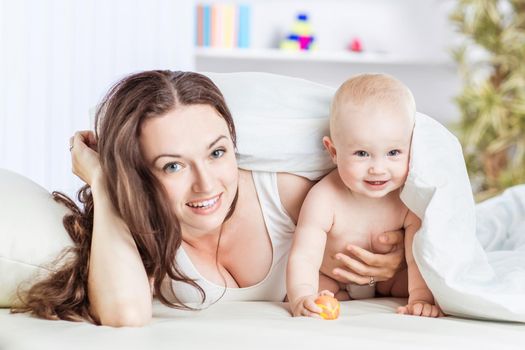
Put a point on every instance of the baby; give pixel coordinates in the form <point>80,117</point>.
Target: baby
<point>371,122</point>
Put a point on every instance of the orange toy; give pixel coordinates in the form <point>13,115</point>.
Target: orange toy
<point>330,307</point>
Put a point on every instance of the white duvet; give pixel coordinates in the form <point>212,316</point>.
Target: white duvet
<point>472,257</point>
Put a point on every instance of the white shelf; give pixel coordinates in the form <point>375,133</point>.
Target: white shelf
<point>317,56</point>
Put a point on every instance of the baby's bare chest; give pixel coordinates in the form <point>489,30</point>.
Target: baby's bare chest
<point>358,224</point>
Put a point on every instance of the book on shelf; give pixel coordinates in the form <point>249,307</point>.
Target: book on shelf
<point>223,25</point>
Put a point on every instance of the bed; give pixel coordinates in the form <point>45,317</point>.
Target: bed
<point>365,324</point>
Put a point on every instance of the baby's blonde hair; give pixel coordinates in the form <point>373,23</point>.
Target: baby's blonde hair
<point>371,88</point>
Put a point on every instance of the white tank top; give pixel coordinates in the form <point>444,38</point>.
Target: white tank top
<point>280,229</point>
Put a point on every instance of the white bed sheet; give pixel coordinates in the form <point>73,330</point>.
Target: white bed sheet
<point>364,324</point>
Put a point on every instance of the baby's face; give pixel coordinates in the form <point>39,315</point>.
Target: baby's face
<point>373,148</point>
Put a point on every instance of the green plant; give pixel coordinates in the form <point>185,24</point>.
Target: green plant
<point>491,62</point>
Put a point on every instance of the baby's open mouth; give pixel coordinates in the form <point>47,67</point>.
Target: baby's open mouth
<point>376,183</point>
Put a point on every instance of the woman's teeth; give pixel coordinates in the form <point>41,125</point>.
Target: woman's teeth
<point>203,204</point>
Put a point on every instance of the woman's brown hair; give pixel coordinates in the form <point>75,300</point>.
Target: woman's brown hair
<point>136,194</point>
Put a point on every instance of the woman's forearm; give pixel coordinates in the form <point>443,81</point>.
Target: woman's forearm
<point>118,287</point>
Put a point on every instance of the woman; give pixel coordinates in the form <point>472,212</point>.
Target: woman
<point>175,217</point>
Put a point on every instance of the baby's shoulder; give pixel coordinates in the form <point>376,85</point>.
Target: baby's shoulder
<point>330,188</point>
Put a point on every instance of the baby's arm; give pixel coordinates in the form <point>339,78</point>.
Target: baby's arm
<point>420,300</point>
<point>306,255</point>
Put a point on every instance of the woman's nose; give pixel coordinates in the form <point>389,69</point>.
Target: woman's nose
<point>203,180</point>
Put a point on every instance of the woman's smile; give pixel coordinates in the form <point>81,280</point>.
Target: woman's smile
<point>206,206</point>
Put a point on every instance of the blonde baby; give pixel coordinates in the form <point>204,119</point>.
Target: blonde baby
<point>371,123</point>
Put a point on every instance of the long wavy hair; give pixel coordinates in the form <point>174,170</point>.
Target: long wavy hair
<point>138,197</point>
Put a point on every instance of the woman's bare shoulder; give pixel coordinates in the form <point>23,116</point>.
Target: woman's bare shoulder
<point>292,191</point>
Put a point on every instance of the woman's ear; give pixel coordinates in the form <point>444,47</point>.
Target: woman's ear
<point>329,145</point>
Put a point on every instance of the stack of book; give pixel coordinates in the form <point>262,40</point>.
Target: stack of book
<point>223,25</point>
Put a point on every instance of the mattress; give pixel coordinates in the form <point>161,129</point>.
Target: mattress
<point>363,324</point>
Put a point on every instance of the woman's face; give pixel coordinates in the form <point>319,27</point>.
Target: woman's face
<point>191,152</point>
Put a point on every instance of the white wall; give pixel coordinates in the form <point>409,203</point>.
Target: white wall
<point>58,57</point>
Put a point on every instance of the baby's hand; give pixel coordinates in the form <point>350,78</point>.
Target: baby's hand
<point>306,306</point>
<point>421,308</point>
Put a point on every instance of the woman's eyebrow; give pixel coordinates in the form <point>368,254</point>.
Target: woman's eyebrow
<point>216,140</point>
<point>164,155</point>
<point>179,156</point>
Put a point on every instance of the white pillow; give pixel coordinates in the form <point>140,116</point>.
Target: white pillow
<point>31,232</point>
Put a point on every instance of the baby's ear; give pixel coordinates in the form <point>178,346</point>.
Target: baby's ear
<point>329,145</point>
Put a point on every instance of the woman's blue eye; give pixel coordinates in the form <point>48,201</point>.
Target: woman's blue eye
<point>394,152</point>
<point>172,167</point>
<point>361,153</point>
<point>217,153</point>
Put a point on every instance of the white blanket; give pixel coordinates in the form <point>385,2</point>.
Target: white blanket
<point>466,279</point>
<point>473,270</point>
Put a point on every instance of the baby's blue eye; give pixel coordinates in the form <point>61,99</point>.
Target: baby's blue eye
<point>394,152</point>
<point>217,153</point>
<point>172,167</point>
<point>361,153</point>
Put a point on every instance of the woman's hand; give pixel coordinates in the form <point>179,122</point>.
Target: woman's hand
<point>84,157</point>
<point>364,267</point>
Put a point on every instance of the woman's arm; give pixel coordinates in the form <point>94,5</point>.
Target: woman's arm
<point>118,287</point>
<point>292,191</point>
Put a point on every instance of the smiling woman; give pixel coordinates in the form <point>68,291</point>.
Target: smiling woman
<point>174,217</point>
<point>192,154</point>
